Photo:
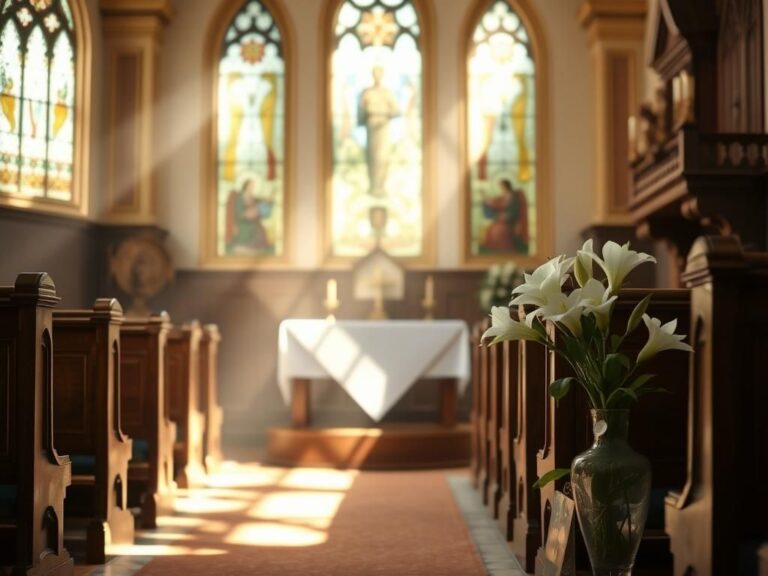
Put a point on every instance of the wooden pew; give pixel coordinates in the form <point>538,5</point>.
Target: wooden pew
<point>656,430</point>
<point>87,423</point>
<point>475,412</point>
<point>33,477</point>
<point>493,422</point>
<point>144,413</point>
<point>182,372</point>
<point>507,431</point>
<point>527,438</point>
<point>209,396</point>
<point>484,476</point>
<point>716,518</point>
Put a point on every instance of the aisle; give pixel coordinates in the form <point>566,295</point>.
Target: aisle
<point>269,521</point>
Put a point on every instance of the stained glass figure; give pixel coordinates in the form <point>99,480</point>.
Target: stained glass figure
<point>376,106</point>
<point>501,135</point>
<point>37,108</point>
<point>251,136</point>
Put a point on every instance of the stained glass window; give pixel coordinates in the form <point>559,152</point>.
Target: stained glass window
<point>376,107</point>
<point>37,98</point>
<point>251,136</point>
<point>501,135</point>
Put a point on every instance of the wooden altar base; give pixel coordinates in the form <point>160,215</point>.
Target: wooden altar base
<point>393,447</point>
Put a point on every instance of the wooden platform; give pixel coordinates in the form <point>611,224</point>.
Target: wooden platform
<point>395,447</point>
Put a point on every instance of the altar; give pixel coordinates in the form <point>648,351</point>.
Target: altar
<point>376,362</point>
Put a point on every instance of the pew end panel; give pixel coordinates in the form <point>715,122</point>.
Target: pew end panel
<point>145,415</point>
<point>182,374</point>
<point>88,427</point>
<point>507,432</point>
<point>209,396</point>
<point>716,519</point>
<point>33,476</point>
<point>475,467</point>
<point>528,439</point>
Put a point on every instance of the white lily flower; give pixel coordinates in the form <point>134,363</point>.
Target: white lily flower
<point>583,266</point>
<point>544,282</point>
<point>494,271</point>
<point>661,338</point>
<point>565,310</point>
<point>618,261</point>
<point>597,300</point>
<point>503,327</point>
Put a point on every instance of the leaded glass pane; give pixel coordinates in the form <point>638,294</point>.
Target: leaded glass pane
<point>250,136</point>
<point>376,105</point>
<point>501,135</point>
<point>37,99</point>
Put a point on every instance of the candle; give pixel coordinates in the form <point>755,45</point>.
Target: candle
<point>429,289</point>
<point>676,96</point>
<point>632,137</point>
<point>331,290</point>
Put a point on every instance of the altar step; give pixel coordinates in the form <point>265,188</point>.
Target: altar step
<point>389,447</point>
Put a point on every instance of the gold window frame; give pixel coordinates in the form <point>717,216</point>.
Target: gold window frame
<point>427,259</point>
<point>217,29</point>
<point>78,205</point>
<point>544,217</point>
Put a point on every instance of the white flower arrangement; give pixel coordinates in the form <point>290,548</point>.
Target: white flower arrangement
<point>582,319</point>
<point>499,282</point>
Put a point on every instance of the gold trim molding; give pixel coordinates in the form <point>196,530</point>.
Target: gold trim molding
<point>132,35</point>
<point>544,206</point>
<point>615,34</point>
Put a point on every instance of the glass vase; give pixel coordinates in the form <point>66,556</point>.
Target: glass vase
<point>612,488</point>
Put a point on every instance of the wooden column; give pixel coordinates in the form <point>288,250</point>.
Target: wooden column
<point>615,34</point>
<point>132,34</point>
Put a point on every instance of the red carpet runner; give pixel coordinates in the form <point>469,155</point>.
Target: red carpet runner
<point>268,521</point>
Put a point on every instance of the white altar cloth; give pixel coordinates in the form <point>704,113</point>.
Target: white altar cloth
<point>375,361</point>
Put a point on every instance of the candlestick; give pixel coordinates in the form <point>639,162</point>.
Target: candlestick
<point>632,138</point>
<point>429,298</point>
<point>331,299</point>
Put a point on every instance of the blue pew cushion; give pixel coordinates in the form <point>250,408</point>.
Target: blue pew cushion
<point>83,464</point>
<point>140,451</point>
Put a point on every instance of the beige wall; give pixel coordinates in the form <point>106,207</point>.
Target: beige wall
<point>181,114</point>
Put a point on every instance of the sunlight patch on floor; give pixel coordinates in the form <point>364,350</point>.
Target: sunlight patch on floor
<point>275,534</point>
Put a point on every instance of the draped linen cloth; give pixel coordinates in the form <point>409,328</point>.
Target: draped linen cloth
<point>375,361</point>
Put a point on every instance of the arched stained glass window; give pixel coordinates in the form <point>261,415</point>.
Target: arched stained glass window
<point>250,136</point>
<point>375,194</point>
<point>501,136</point>
<point>37,99</point>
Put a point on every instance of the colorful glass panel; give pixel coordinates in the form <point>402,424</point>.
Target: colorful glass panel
<point>251,136</point>
<point>37,87</point>
<point>376,106</point>
<point>501,135</point>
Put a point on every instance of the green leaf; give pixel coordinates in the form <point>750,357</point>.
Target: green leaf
<point>638,382</point>
<point>559,388</point>
<point>588,327</point>
<point>615,342</point>
<point>551,476</point>
<point>614,366</point>
<point>637,314</point>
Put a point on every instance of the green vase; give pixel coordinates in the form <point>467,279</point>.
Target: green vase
<point>612,489</point>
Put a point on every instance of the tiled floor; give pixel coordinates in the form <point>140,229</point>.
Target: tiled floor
<point>491,546</point>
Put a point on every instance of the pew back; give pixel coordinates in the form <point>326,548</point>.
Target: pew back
<point>182,373</point>
<point>87,423</point>
<point>209,396</point>
<point>33,477</point>
<point>144,411</point>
